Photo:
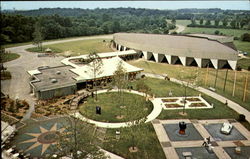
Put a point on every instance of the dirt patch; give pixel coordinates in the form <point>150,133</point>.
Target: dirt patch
<point>133,149</point>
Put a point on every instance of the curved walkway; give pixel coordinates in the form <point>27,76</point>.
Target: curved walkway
<point>153,115</point>
<point>236,107</point>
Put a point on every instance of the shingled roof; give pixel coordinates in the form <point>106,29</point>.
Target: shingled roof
<point>177,45</point>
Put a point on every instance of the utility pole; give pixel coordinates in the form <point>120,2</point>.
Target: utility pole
<point>225,81</point>
<point>216,78</point>
<point>235,74</point>
<point>245,90</point>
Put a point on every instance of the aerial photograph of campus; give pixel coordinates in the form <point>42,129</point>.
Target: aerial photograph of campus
<point>125,79</point>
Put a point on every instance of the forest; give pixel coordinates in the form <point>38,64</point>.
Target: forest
<point>54,23</point>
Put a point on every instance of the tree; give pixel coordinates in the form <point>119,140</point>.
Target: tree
<point>217,32</point>
<point>208,22</point>
<point>187,81</point>
<point>224,22</point>
<point>193,22</point>
<point>245,37</point>
<point>173,21</point>
<point>77,141</point>
<point>96,68</point>
<point>233,23</point>
<point>166,31</point>
<point>216,22</point>
<point>201,21</point>
<point>37,35</point>
<point>142,87</point>
<point>120,81</point>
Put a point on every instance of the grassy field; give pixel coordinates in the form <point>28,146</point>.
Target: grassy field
<point>242,46</point>
<point>244,63</point>
<point>220,110</point>
<point>176,70</point>
<point>5,57</point>
<point>111,108</point>
<point>27,43</point>
<point>229,32</point>
<point>80,47</point>
<point>146,141</point>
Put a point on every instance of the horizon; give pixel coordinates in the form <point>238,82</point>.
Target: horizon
<point>161,5</point>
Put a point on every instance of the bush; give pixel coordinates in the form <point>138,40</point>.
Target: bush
<point>236,38</point>
<point>242,117</point>
<point>174,33</point>
<point>245,37</point>
<point>217,32</point>
<point>238,68</point>
<point>248,68</point>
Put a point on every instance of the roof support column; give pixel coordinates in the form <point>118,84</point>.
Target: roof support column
<point>169,58</point>
<point>156,57</point>
<point>198,61</point>
<point>232,64</point>
<point>145,54</point>
<point>124,48</point>
<point>119,47</point>
<point>215,63</point>
<point>183,60</point>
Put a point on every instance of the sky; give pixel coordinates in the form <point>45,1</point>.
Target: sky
<point>27,5</point>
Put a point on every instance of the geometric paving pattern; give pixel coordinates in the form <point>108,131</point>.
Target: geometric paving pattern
<point>45,138</point>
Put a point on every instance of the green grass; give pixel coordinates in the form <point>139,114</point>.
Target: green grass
<point>111,108</point>
<point>242,46</point>
<point>176,71</point>
<point>27,43</point>
<point>5,57</point>
<point>220,110</point>
<point>244,63</point>
<point>80,47</point>
<point>147,143</point>
<point>229,32</point>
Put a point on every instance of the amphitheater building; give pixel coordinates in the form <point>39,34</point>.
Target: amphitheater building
<point>188,50</point>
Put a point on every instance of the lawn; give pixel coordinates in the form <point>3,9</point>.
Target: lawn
<point>229,32</point>
<point>27,43</point>
<point>242,46</point>
<point>146,141</point>
<point>5,57</point>
<point>244,63</point>
<point>220,110</point>
<point>176,71</point>
<point>81,47</point>
<point>111,108</point>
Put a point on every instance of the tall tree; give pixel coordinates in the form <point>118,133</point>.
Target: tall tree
<point>208,22</point>
<point>77,141</point>
<point>216,22</point>
<point>37,35</point>
<point>224,22</point>
<point>96,68</point>
<point>201,21</point>
<point>173,21</point>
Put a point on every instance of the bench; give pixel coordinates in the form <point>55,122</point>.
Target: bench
<point>212,89</point>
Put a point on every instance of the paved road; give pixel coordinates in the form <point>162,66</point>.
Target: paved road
<point>181,28</point>
<point>18,86</point>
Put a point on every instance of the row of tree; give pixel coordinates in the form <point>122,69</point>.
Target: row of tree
<point>18,28</point>
<point>235,23</point>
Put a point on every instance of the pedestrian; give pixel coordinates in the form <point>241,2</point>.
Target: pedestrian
<point>208,140</point>
<point>226,102</point>
<point>205,142</point>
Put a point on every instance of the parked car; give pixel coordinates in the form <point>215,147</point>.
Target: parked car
<point>226,128</point>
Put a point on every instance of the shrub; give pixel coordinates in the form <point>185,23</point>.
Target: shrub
<point>245,37</point>
<point>248,68</point>
<point>238,68</point>
<point>217,32</point>
<point>242,117</point>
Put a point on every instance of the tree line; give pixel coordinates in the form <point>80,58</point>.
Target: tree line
<point>20,28</point>
<point>54,23</point>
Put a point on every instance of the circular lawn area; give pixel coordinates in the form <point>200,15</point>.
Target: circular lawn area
<point>114,108</point>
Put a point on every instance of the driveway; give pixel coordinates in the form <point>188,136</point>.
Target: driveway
<point>18,86</point>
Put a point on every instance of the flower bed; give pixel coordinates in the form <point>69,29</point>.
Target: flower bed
<point>173,106</point>
<point>169,100</point>
<point>193,99</point>
<point>197,105</point>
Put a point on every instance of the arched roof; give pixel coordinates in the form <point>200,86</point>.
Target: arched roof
<point>176,45</point>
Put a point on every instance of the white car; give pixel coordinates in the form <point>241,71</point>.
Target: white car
<point>226,128</point>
